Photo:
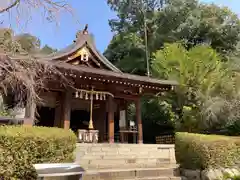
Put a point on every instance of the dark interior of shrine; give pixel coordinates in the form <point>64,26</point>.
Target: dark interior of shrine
<point>45,116</point>
<point>79,120</point>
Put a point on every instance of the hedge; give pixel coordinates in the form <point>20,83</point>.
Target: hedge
<point>21,147</point>
<point>198,151</point>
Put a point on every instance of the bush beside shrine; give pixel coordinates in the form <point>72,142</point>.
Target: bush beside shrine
<point>21,147</point>
<point>198,151</point>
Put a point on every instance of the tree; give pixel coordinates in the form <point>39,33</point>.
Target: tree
<point>29,43</point>
<point>201,75</point>
<point>26,42</point>
<point>126,52</point>
<point>47,50</point>
<point>169,21</point>
<point>21,10</point>
<point>22,74</point>
<point>32,45</point>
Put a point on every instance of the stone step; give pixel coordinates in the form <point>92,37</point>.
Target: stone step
<point>126,156</point>
<point>127,174</point>
<point>115,150</point>
<point>122,145</point>
<point>104,156</point>
<point>157,178</point>
<point>126,163</point>
<point>140,153</point>
<point>123,166</point>
<point>120,152</point>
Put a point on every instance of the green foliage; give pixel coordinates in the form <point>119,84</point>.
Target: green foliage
<point>4,111</point>
<point>187,21</point>
<point>28,42</point>
<point>229,177</point>
<point>129,54</point>
<point>201,74</point>
<point>188,41</point>
<point>21,147</point>
<point>47,50</point>
<point>233,129</point>
<point>198,151</point>
<point>199,68</point>
<point>22,43</point>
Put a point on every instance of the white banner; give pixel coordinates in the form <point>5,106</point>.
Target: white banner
<point>122,119</point>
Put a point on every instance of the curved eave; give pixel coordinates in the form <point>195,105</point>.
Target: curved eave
<point>115,75</point>
<point>73,48</point>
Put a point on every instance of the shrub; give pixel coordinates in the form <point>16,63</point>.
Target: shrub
<point>229,177</point>
<point>198,151</point>
<point>21,147</point>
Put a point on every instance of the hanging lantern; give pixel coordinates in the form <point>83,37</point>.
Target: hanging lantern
<point>86,96</point>
<point>104,97</point>
<point>76,94</point>
<point>81,95</point>
<point>96,96</point>
<point>100,96</point>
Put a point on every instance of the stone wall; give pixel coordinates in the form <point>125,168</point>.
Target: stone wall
<point>210,174</point>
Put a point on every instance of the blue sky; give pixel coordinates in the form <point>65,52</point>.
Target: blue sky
<point>96,13</point>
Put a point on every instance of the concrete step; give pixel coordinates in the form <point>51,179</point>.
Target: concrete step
<point>130,174</point>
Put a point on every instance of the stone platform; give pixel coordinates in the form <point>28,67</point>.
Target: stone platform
<point>127,161</point>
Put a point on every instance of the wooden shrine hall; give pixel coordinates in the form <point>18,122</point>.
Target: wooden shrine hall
<point>96,106</point>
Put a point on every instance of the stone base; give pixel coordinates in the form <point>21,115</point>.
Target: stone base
<point>130,174</point>
<point>60,178</point>
<point>104,156</point>
<point>209,174</point>
<point>127,161</point>
<point>87,136</point>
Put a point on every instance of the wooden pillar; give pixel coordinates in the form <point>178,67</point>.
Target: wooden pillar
<point>139,121</point>
<point>110,120</point>
<point>66,109</point>
<point>58,110</point>
<point>30,111</point>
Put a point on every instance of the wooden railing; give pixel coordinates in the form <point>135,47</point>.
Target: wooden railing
<point>11,121</point>
<point>165,139</point>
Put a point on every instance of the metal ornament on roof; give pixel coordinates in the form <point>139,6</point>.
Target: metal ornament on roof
<point>82,53</point>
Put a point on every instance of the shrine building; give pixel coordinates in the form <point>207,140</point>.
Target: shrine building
<point>95,106</point>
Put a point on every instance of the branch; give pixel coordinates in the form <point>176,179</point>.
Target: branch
<point>15,3</point>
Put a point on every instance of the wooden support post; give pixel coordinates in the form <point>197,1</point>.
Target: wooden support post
<point>30,111</point>
<point>110,120</point>
<point>58,110</point>
<point>139,121</point>
<point>66,109</point>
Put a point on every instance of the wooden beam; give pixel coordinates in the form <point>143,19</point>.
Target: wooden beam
<point>126,97</point>
<point>58,110</point>
<point>139,121</point>
<point>110,120</point>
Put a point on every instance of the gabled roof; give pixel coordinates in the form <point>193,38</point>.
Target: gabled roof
<point>60,59</point>
<point>118,76</point>
<point>83,40</point>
